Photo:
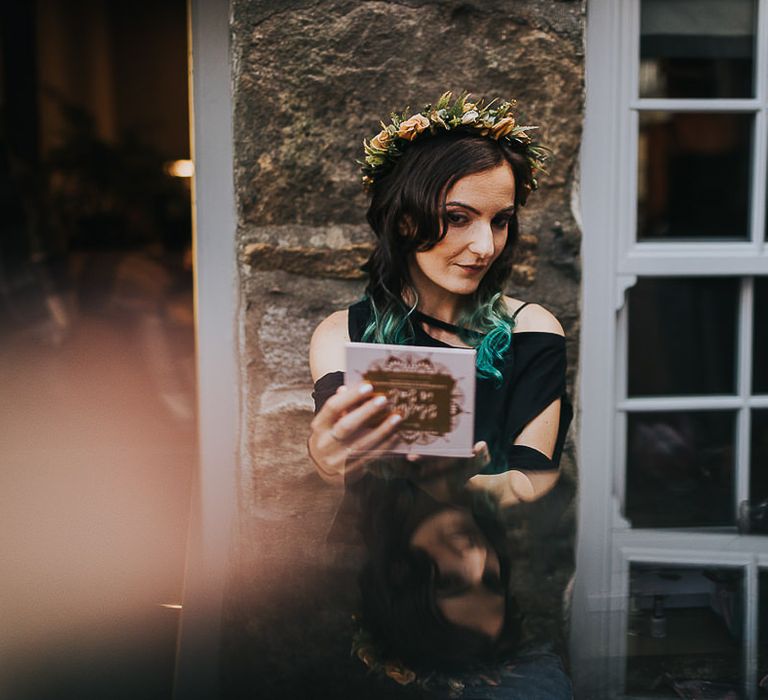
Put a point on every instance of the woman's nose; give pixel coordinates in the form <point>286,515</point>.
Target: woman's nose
<point>474,564</point>
<point>482,243</point>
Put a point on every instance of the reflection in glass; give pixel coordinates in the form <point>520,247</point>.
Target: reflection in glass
<point>680,469</point>
<point>684,631</point>
<point>436,589</point>
<point>693,176</point>
<point>762,634</point>
<point>760,337</point>
<point>695,49</point>
<point>682,336</point>
<point>758,466</point>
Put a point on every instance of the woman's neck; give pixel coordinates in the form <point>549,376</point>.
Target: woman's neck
<point>435,301</point>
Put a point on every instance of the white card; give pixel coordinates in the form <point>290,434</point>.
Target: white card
<point>433,389</point>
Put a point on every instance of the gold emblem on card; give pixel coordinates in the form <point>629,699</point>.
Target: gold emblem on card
<point>424,393</point>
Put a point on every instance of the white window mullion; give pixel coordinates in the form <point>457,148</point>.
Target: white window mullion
<point>621,382</point>
<point>758,194</point>
<point>717,546</point>
<point>682,403</point>
<point>726,262</point>
<point>744,386</point>
<point>629,131</point>
<point>761,53</point>
<point>751,605</point>
<point>760,168</point>
<point>665,104</point>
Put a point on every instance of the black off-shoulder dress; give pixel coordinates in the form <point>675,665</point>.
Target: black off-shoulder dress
<point>533,376</point>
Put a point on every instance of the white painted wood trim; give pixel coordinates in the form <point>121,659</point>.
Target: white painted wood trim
<point>682,403</point>
<point>744,380</point>
<point>751,605</point>
<point>600,158</point>
<point>695,105</point>
<point>216,306</point>
<point>723,547</point>
<point>726,261</point>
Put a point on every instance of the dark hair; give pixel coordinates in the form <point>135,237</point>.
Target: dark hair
<point>397,584</point>
<point>407,214</point>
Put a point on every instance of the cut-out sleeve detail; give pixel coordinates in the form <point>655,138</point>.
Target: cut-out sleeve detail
<point>528,459</point>
<point>539,379</point>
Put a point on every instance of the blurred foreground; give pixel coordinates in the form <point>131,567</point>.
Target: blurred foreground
<point>98,451</point>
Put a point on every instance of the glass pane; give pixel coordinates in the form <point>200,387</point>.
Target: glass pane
<point>693,176</point>
<point>762,635</point>
<point>684,631</point>
<point>682,336</point>
<point>697,48</point>
<point>758,471</point>
<point>760,338</point>
<point>680,469</point>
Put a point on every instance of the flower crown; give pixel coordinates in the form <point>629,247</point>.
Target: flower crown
<point>367,651</point>
<point>496,122</point>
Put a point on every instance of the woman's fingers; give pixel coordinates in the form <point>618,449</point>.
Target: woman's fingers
<point>358,460</point>
<point>481,455</point>
<point>345,399</point>
<point>372,440</point>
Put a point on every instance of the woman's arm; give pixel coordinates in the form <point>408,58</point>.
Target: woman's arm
<point>517,485</point>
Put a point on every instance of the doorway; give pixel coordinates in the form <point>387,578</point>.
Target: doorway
<point>97,350</point>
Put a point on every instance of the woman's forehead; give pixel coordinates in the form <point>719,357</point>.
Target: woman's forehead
<point>494,186</point>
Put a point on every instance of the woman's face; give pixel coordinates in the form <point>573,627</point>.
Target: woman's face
<point>477,211</point>
<point>468,588</point>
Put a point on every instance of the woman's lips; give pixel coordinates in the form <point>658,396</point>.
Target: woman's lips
<point>473,269</point>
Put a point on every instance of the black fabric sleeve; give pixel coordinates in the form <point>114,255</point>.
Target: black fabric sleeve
<point>528,459</point>
<point>540,380</point>
<point>325,387</point>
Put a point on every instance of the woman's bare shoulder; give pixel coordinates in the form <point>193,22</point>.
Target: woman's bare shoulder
<point>326,349</point>
<point>533,318</point>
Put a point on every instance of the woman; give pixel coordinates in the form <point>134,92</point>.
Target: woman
<point>446,185</point>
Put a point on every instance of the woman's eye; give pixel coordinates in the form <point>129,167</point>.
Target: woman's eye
<point>502,221</point>
<point>447,583</point>
<point>492,581</point>
<point>454,217</point>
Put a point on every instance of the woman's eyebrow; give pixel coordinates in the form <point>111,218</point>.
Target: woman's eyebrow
<point>510,208</point>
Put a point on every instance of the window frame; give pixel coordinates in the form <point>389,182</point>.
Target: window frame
<point>612,262</point>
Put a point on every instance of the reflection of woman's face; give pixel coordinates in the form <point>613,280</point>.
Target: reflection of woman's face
<point>468,589</point>
<point>477,211</point>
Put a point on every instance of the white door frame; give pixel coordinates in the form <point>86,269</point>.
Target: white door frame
<point>213,509</point>
<point>592,600</point>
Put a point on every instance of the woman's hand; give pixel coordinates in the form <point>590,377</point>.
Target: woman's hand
<point>352,428</point>
<point>515,486</point>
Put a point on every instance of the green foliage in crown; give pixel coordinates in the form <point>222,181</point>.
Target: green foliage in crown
<point>491,120</point>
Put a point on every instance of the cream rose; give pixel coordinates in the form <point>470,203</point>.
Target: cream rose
<point>381,140</point>
<point>412,127</point>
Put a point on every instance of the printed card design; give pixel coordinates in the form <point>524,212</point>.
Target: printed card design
<point>433,389</point>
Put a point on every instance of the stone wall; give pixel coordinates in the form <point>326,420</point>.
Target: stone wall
<point>311,80</point>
